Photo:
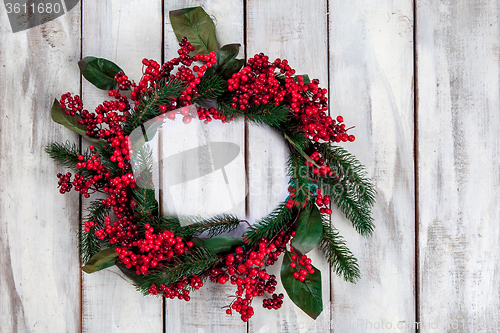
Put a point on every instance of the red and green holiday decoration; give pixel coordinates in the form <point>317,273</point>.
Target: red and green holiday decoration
<point>166,258</point>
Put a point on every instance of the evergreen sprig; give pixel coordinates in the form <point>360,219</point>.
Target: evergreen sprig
<point>299,177</point>
<point>144,194</point>
<point>349,171</point>
<point>196,262</point>
<point>211,87</point>
<point>89,243</point>
<point>66,154</point>
<point>357,211</point>
<point>267,114</point>
<point>269,225</point>
<point>338,255</point>
<point>148,106</point>
<point>105,151</point>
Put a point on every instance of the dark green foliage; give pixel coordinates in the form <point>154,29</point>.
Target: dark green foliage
<point>144,194</point>
<point>66,154</point>
<point>349,171</point>
<point>196,262</point>
<point>350,189</point>
<point>100,72</point>
<point>89,243</point>
<point>299,177</point>
<point>338,255</point>
<point>267,114</point>
<point>270,225</point>
<point>102,260</point>
<point>211,87</point>
<point>196,226</point>
<point>105,151</point>
<point>148,107</point>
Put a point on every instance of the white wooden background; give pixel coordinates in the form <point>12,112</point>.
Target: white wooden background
<point>420,80</point>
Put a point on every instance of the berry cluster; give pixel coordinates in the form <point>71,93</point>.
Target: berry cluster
<point>155,249</point>
<point>302,264</point>
<point>177,290</point>
<point>245,270</point>
<point>64,182</point>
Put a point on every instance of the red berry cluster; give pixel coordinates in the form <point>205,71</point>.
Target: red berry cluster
<point>293,193</point>
<point>323,201</point>
<point>208,114</point>
<point>245,270</point>
<point>177,290</point>
<point>303,266</point>
<point>155,249</point>
<point>64,182</point>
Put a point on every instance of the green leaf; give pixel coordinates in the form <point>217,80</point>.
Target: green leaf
<point>307,295</point>
<point>101,260</point>
<point>71,122</point>
<point>309,230</point>
<point>100,72</point>
<point>130,274</point>
<point>218,244</point>
<point>195,24</point>
<point>305,78</point>
<point>227,64</point>
<point>232,67</point>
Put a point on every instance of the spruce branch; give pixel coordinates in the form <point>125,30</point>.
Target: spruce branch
<point>350,172</point>
<point>269,225</point>
<point>196,262</point>
<point>66,154</point>
<point>105,151</point>
<point>357,211</point>
<point>89,243</point>
<point>148,106</point>
<point>144,194</point>
<point>299,177</point>
<point>338,255</point>
<point>211,87</point>
<point>266,114</point>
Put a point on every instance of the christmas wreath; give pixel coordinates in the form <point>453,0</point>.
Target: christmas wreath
<point>166,257</point>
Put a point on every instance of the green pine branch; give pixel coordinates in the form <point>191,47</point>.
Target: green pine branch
<point>338,255</point>
<point>267,114</point>
<point>148,107</point>
<point>196,262</point>
<point>299,177</point>
<point>105,151</point>
<point>144,194</point>
<point>357,211</point>
<point>211,87</point>
<point>269,225</point>
<point>350,172</point>
<point>89,243</point>
<point>66,154</point>
<point>215,225</point>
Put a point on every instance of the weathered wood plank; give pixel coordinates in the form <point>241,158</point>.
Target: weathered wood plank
<point>117,30</point>
<point>39,279</point>
<point>209,194</point>
<point>458,90</point>
<point>296,31</point>
<point>371,71</point>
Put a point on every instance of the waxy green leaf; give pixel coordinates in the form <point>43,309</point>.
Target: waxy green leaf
<point>71,122</point>
<point>218,244</point>
<point>307,294</point>
<point>101,260</point>
<point>100,72</point>
<point>309,230</point>
<point>227,64</point>
<point>199,29</point>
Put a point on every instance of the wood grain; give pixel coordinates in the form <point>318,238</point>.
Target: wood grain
<point>115,30</point>
<point>39,279</point>
<point>458,67</point>
<point>296,31</point>
<point>371,72</point>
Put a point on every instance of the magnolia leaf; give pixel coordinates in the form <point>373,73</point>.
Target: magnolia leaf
<point>218,244</point>
<point>309,230</point>
<point>100,72</point>
<point>195,24</point>
<point>101,260</point>
<point>232,67</point>
<point>226,61</point>
<point>71,122</point>
<point>305,78</point>
<point>307,295</point>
